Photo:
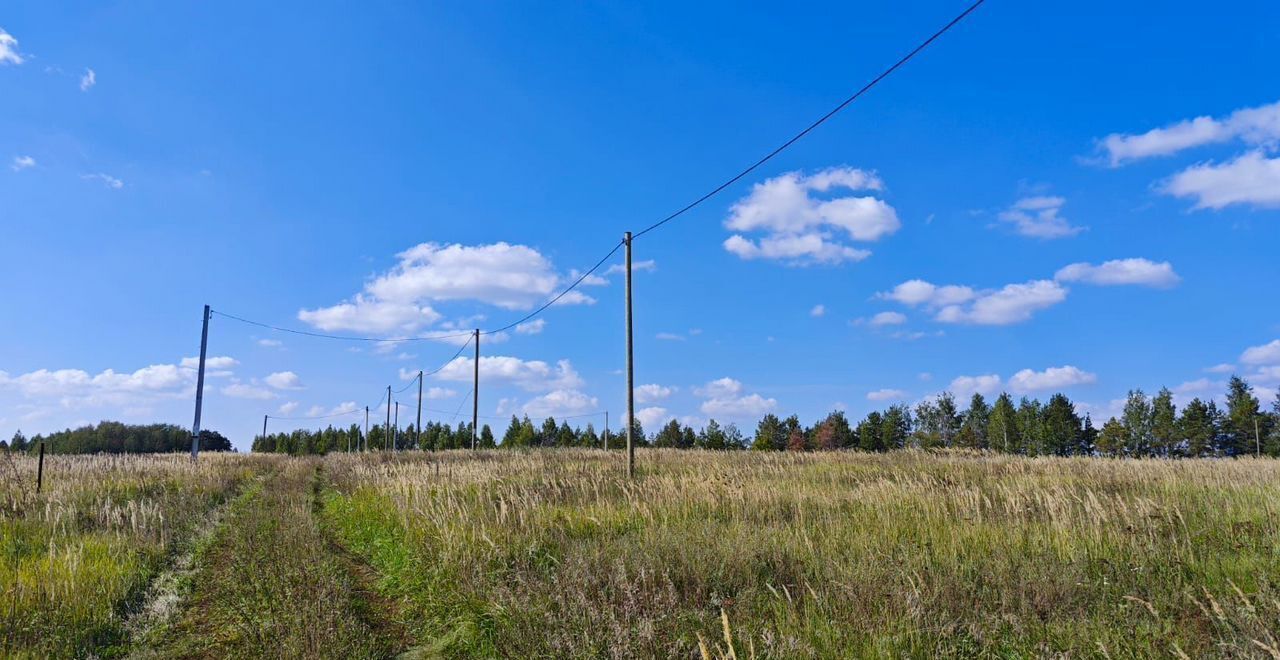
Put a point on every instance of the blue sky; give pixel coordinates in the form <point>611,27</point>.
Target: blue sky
<point>1080,197</point>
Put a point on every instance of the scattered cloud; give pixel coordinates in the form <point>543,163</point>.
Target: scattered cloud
<point>284,380</point>
<point>562,402</point>
<point>650,417</point>
<point>211,364</point>
<point>1251,179</point>
<point>440,393</point>
<point>885,395</point>
<point>1053,378</point>
<point>724,398</point>
<point>652,393</point>
<point>1140,272</point>
<point>1037,217</point>
<point>106,179</point>
<point>248,391</point>
<point>620,269</point>
<point>921,293</point>
<point>530,375</point>
<point>1224,368</point>
<point>1014,303</point>
<point>800,222</point>
<point>966,386</point>
<point>669,336</point>
<point>531,327</point>
<point>1255,126</point>
<point>500,274</point>
<point>818,311</point>
<point>287,408</point>
<point>9,49</point>
<point>88,80</point>
<point>22,162</point>
<point>270,343</point>
<point>1266,354</point>
<point>887,318</point>
<point>364,314</point>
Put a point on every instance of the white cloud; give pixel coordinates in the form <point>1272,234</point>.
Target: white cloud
<point>799,227</point>
<point>88,80</point>
<point>106,179</point>
<point>966,386</point>
<point>247,391</point>
<point>652,393</point>
<point>9,49</point>
<point>1265,354</point>
<point>885,395</point>
<point>287,407</point>
<point>561,403</point>
<point>369,315</point>
<point>284,380</point>
<point>1037,217</point>
<point>818,310</point>
<point>531,327</point>
<point>1198,386</point>
<point>920,292</point>
<point>1014,303</point>
<point>574,297</point>
<point>500,274</point>
<point>669,336</point>
<point>22,162</point>
<point>888,318</point>
<point>1053,378</point>
<point>530,375</point>
<point>1141,272</point>
<point>725,399</point>
<point>218,363</point>
<point>440,393</point>
<point>1260,125</point>
<point>619,269</point>
<point>1224,368</point>
<point>1250,179</point>
<point>270,343</point>
<point>650,417</point>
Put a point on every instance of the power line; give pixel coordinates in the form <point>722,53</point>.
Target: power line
<point>562,294</point>
<point>339,414</point>
<point>821,120</point>
<point>341,337</point>
<point>411,382</point>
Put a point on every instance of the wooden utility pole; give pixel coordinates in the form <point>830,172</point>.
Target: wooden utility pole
<point>387,429</point>
<point>264,431</point>
<point>631,388</point>
<point>40,470</point>
<point>204,345</point>
<point>364,442</point>
<point>417,428</point>
<point>475,396</point>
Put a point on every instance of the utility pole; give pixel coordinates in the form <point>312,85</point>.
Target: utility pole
<point>264,430</point>
<point>606,429</point>
<point>204,344</point>
<point>475,396</point>
<point>417,428</point>
<point>1257,439</point>
<point>387,428</point>
<point>631,388</point>
<point>364,442</point>
<point>396,432</point>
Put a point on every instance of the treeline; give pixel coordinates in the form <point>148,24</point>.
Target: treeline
<point>117,438</point>
<point>1147,427</point>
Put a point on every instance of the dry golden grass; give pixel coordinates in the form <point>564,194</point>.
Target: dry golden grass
<point>556,554</point>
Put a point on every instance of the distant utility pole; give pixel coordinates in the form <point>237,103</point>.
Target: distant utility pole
<point>475,395</point>
<point>631,388</point>
<point>606,430</point>
<point>387,433</point>
<point>396,432</point>
<point>264,430</point>
<point>204,345</point>
<point>364,442</point>
<point>417,428</point>
<point>1257,439</point>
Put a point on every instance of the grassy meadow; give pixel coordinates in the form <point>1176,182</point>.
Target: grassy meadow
<point>555,554</point>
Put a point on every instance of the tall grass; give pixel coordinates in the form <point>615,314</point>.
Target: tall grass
<point>76,557</point>
<point>556,554</point>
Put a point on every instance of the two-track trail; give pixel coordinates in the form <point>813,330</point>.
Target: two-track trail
<point>270,583</point>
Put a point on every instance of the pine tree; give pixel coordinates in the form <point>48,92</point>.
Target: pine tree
<point>895,427</point>
<point>973,431</point>
<point>486,437</point>
<point>1164,423</point>
<point>1243,418</point>
<point>1088,442</point>
<point>768,434</point>
<point>511,438</point>
<point>1114,439</point>
<point>868,432</point>
<point>1061,426</point>
<point>712,436</point>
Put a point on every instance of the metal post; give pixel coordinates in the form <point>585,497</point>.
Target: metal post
<point>417,429</point>
<point>631,387</point>
<point>475,395</point>
<point>364,442</point>
<point>40,470</point>
<point>396,432</point>
<point>204,344</point>
<point>387,428</point>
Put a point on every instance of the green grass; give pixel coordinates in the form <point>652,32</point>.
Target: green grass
<point>555,554</point>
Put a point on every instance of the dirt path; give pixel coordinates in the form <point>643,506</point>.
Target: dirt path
<point>271,584</point>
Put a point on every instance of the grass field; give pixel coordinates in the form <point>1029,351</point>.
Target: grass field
<point>556,554</point>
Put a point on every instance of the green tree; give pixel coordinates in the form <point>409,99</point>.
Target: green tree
<point>1164,423</point>
<point>1243,418</point>
<point>668,435</point>
<point>868,432</point>
<point>1137,423</point>
<point>1114,439</point>
<point>977,419</point>
<point>486,437</point>
<point>712,436</point>
<point>769,434</point>
<point>895,427</point>
<point>1061,427</point>
<point>1002,427</point>
<point>1198,428</point>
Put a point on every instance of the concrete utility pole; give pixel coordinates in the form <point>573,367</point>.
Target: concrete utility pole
<point>631,387</point>
<point>204,345</point>
<point>364,442</point>
<point>475,396</point>
<point>387,433</point>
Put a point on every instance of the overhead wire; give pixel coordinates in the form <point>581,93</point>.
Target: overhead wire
<point>821,120</point>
